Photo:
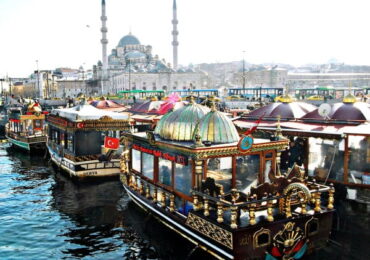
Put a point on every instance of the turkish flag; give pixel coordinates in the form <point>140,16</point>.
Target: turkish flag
<point>111,143</point>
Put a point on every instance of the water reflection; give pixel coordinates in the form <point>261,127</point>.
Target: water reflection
<point>92,207</point>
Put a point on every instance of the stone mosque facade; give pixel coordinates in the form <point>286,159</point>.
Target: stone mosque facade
<point>132,66</point>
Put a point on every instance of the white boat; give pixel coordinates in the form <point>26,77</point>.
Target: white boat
<point>76,136</point>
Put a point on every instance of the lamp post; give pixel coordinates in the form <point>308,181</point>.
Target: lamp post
<point>38,77</point>
<point>2,90</point>
<point>243,70</point>
<point>129,74</point>
<point>260,94</point>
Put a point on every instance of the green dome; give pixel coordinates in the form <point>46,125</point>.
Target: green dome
<point>180,124</point>
<point>161,122</point>
<point>217,128</point>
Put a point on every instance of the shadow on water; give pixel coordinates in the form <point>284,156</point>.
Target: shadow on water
<point>168,244</point>
<point>92,207</point>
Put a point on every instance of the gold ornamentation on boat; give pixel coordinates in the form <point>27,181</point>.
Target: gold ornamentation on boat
<point>210,230</point>
<point>256,236</point>
<point>288,238</point>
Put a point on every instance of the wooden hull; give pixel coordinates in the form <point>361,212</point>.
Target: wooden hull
<point>75,169</point>
<point>27,146</point>
<point>227,243</point>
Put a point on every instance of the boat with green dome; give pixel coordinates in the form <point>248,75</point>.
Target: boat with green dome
<point>224,192</point>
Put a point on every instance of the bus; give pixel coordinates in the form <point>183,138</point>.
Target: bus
<point>141,94</point>
<point>324,93</point>
<point>255,93</point>
<point>199,93</point>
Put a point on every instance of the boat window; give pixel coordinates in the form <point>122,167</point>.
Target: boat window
<point>268,164</point>
<point>247,169</point>
<point>136,160</point>
<point>359,160</point>
<point>29,127</point>
<point>312,227</point>
<point>261,238</point>
<point>87,143</point>
<point>148,165</point>
<point>165,172</point>
<point>268,155</point>
<point>183,178</point>
<point>220,169</point>
<point>326,158</point>
<point>55,136</point>
<point>37,124</point>
<point>69,142</point>
<point>295,153</point>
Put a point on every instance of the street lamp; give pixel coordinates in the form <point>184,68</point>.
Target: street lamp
<point>2,91</point>
<point>129,74</point>
<point>243,70</point>
<point>38,77</point>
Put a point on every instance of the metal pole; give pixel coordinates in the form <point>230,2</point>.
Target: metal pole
<point>2,92</point>
<point>38,74</point>
<point>243,70</point>
<point>129,75</point>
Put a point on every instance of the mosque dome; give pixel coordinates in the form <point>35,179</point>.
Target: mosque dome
<point>217,128</point>
<point>128,40</point>
<point>180,124</point>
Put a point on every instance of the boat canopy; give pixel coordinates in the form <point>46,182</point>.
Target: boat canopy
<point>86,112</point>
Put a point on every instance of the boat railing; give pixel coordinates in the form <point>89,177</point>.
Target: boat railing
<point>238,210</point>
<point>155,192</point>
<point>26,137</point>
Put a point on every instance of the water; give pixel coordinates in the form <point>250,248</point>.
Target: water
<point>44,215</point>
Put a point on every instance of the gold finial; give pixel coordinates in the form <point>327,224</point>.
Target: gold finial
<point>349,98</point>
<point>196,137</point>
<point>213,106</point>
<point>191,99</point>
<point>278,128</point>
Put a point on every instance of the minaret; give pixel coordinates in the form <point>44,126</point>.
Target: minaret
<point>175,43</point>
<point>104,41</point>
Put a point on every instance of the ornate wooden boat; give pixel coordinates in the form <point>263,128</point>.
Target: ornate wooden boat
<point>82,140</point>
<point>223,193</point>
<point>26,127</point>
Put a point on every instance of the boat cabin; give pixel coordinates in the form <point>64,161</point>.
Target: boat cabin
<point>78,140</point>
<point>26,127</point>
<point>224,192</point>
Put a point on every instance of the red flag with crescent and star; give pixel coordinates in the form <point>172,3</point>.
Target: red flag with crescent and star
<point>255,125</point>
<point>111,143</point>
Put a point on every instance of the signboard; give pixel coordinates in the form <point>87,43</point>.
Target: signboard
<point>180,159</point>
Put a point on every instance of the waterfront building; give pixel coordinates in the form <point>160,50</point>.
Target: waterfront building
<point>259,75</point>
<point>305,79</point>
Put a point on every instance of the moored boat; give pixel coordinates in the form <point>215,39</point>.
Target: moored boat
<point>84,141</point>
<point>224,193</point>
<point>26,127</point>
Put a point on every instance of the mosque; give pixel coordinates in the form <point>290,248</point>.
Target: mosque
<point>131,65</point>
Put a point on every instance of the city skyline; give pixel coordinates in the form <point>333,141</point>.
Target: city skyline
<point>67,33</point>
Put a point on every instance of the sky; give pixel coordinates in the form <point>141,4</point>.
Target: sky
<point>66,33</point>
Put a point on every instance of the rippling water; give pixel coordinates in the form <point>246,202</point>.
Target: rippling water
<point>44,215</point>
